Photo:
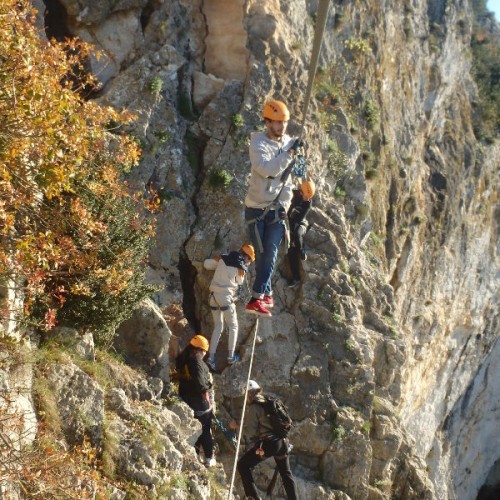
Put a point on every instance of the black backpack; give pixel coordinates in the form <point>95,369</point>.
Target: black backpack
<point>278,415</point>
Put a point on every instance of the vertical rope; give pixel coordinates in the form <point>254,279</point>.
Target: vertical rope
<point>321,19</point>
<point>243,412</point>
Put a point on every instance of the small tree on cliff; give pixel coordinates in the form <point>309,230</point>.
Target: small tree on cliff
<point>73,237</point>
<point>485,44</point>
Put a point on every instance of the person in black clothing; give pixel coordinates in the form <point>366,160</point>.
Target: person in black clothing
<point>195,389</point>
<point>258,430</point>
<point>301,204</point>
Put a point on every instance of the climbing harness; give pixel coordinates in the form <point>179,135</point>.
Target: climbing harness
<point>243,411</point>
<point>275,205</point>
<point>218,307</point>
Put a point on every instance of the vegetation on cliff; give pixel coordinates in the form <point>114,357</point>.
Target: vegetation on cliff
<point>485,46</point>
<point>74,239</point>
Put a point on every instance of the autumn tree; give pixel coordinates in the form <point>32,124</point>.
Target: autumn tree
<point>74,239</point>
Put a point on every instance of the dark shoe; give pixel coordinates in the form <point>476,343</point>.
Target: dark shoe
<point>211,363</point>
<point>293,283</point>
<point>303,254</point>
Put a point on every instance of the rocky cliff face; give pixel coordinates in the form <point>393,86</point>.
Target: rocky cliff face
<point>387,353</point>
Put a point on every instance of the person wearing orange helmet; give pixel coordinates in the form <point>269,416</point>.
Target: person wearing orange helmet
<point>268,198</point>
<point>195,386</point>
<point>301,204</point>
<point>230,270</point>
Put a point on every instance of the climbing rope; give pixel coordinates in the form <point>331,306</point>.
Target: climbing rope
<point>243,411</point>
<point>321,19</point>
<point>298,164</point>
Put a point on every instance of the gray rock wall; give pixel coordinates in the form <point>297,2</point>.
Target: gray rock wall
<point>398,311</point>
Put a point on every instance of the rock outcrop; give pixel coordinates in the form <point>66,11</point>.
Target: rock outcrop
<point>387,353</point>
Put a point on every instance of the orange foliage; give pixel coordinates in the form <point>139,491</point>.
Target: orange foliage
<point>61,173</point>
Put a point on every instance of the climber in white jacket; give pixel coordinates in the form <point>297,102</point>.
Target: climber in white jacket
<point>229,274</point>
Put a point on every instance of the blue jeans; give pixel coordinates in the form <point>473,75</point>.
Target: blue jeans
<point>271,232</point>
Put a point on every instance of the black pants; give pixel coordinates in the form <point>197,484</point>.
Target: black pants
<point>294,251</point>
<point>272,448</point>
<point>205,439</point>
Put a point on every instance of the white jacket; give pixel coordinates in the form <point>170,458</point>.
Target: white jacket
<point>268,159</point>
<point>226,278</point>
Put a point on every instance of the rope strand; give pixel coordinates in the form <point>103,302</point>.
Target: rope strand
<point>318,39</point>
<point>243,411</point>
<point>321,19</point>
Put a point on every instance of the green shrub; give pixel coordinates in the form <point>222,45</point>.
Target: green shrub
<point>162,136</point>
<point>155,85</point>
<point>371,113</point>
<point>339,193</point>
<point>339,19</point>
<point>358,46</point>
<point>419,219</point>
<point>486,72</point>
<point>339,433</point>
<point>237,120</point>
<point>375,239</point>
<point>100,303</point>
<point>371,173</point>
<point>219,178</point>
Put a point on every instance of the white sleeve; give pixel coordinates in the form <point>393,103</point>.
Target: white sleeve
<point>210,264</point>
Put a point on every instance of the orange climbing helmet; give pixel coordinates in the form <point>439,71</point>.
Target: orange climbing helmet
<point>276,110</point>
<point>308,188</point>
<point>249,250</point>
<point>200,342</point>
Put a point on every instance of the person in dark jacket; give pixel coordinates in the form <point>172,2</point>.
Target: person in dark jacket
<point>264,444</point>
<point>301,204</point>
<point>195,389</point>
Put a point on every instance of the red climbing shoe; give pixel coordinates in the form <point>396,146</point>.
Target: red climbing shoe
<point>268,301</point>
<point>256,306</point>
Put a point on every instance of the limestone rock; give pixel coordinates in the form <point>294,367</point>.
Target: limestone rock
<point>80,402</point>
<point>118,36</point>
<point>144,340</point>
<point>71,339</point>
<point>312,438</point>
<point>398,305</point>
<point>347,464</point>
<point>205,87</point>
